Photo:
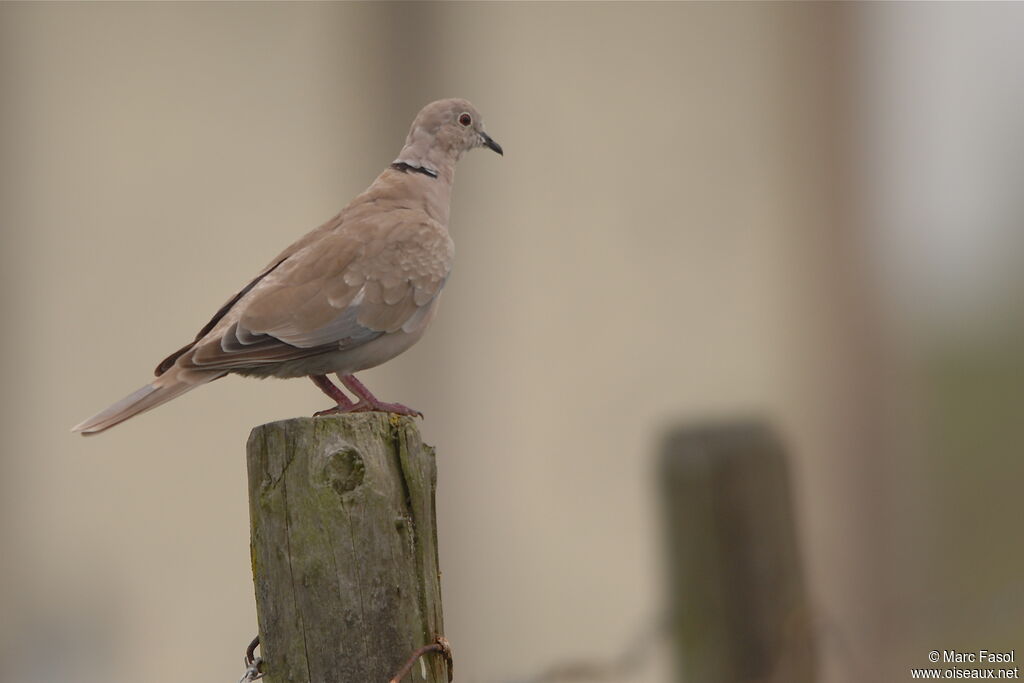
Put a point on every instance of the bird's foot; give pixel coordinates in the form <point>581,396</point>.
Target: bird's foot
<point>368,403</point>
<point>336,410</point>
<point>375,406</point>
<point>364,406</point>
<point>327,386</point>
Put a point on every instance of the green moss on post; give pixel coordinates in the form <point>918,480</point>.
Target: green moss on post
<point>344,548</point>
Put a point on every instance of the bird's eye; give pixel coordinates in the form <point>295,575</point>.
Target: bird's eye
<point>465,119</point>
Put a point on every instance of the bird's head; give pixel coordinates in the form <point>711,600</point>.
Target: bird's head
<point>443,131</point>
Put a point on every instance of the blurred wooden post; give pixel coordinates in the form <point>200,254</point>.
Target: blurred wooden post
<point>344,548</point>
<point>740,611</point>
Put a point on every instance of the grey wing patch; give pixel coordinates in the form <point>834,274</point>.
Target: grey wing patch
<point>344,331</point>
<point>239,347</point>
<point>418,319</point>
<point>231,353</point>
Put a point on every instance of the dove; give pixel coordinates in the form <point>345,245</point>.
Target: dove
<point>352,294</point>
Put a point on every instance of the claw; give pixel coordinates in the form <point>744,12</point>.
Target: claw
<point>336,410</point>
<point>380,407</point>
<point>371,407</point>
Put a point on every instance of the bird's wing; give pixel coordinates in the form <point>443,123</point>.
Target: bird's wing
<point>371,276</point>
<point>307,239</point>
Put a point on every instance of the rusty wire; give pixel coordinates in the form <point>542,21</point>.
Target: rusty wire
<point>254,664</point>
<point>633,658</point>
<point>440,645</point>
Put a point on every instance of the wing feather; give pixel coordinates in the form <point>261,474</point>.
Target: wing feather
<point>364,279</point>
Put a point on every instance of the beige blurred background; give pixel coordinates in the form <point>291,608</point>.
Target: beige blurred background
<point>809,213</point>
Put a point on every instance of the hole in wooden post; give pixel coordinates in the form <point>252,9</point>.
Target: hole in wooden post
<point>344,470</point>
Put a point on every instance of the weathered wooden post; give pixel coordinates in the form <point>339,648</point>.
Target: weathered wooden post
<point>344,548</point>
<point>739,608</point>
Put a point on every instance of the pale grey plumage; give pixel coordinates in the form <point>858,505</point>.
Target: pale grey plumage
<point>350,295</point>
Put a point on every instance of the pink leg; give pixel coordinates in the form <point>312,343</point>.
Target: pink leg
<point>327,386</point>
<point>370,403</point>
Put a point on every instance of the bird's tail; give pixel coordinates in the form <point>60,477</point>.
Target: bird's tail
<point>163,389</point>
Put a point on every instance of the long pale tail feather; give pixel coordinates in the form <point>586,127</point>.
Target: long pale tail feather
<point>161,391</point>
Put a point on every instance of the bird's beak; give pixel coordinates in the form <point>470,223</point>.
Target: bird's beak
<point>491,144</point>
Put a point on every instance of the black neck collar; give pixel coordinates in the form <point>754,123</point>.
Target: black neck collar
<point>409,168</point>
